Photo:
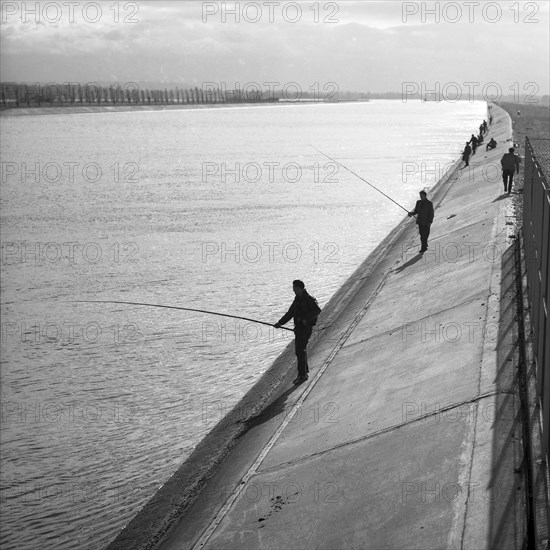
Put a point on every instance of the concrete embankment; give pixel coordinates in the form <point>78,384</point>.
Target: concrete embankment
<point>407,434</point>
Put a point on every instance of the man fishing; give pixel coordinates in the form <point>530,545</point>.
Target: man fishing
<point>466,155</point>
<point>304,310</point>
<point>425,210</point>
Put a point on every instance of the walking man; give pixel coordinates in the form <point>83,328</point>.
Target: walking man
<point>304,310</point>
<point>510,164</point>
<point>425,210</point>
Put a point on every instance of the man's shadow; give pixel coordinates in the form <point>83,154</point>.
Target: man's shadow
<point>412,261</point>
<point>501,197</point>
<point>272,410</point>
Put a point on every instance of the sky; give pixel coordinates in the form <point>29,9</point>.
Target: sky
<point>466,47</point>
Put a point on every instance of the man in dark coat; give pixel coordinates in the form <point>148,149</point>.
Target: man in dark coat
<point>510,164</point>
<point>473,141</point>
<point>491,145</point>
<point>466,154</point>
<point>304,310</point>
<point>425,211</point>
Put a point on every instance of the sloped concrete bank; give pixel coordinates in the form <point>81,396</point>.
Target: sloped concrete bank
<point>365,455</point>
<point>185,485</point>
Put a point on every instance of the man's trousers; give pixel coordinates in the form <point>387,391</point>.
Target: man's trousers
<point>302,335</point>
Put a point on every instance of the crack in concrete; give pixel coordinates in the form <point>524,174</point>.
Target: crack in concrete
<point>469,300</point>
<point>386,430</point>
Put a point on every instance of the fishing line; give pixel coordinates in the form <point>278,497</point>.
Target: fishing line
<point>363,179</point>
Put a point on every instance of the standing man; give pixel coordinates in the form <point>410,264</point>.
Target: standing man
<point>509,163</point>
<point>425,210</point>
<point>473,141</point>
<point>304,310</point>
<point>466,154</point>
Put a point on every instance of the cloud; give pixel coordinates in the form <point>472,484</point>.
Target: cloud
<point>369,48</point>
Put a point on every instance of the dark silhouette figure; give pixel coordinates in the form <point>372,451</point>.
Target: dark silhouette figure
<point>484,126</point>
<point>491,145</point>
<point>425,211</point>
<point>510,164</point>
<point>473,141</point>
<point>304,310</point>
<point>466,154</point>
<point>479,139</point>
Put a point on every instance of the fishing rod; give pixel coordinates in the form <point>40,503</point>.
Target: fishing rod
<point>177,307</point>
<point>357,175</point>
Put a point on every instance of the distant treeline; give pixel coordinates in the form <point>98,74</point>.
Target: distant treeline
<point>29,95</point>
<point>15,94</point>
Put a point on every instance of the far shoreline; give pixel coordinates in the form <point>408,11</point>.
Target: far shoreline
<point>90,109</point>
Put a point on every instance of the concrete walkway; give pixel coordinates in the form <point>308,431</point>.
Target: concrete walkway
<point>406,434</point>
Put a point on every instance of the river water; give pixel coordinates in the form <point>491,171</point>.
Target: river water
<point>216,209</point>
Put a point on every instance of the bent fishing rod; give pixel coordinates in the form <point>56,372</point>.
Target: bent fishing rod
<point>177,307</point>
<point>363,179</point>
